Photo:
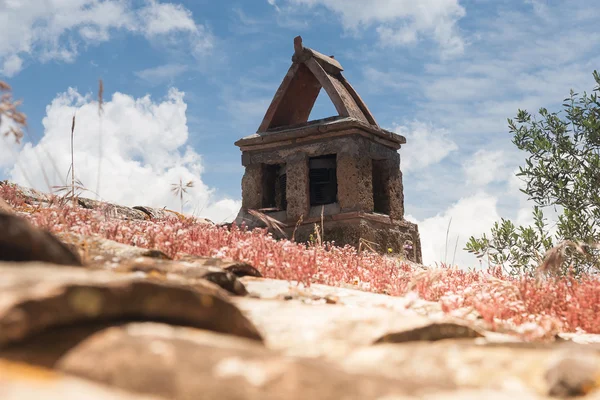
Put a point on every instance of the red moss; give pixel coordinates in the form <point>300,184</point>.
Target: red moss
<point>557,304</point>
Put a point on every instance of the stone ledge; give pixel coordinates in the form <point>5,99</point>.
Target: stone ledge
<point>256,141</point>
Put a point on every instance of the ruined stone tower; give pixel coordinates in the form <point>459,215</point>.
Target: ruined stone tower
<point>343,170</point>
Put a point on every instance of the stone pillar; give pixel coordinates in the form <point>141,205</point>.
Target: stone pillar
<point>396,191</point>
<point>355,181</point>
<point>297,187</point>
<point>252,187</point>
<point>381,186</point>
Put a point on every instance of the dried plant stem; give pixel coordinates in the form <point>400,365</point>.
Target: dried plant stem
<point>298,223</point>
<point>179,189</point>
<point>270,222</point>
<point>322,231</point>
<point>319,239</point>
<point>556,256</point>
<point>368,244</point>
<point>100,112</point>
<point>9,111</point>
<point>455,246</point>
<point>72,161</point>
<point>446,249</point>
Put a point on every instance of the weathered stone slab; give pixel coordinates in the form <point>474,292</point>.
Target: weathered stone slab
<point>26,382</point>
<point>34,196</point>
<point>158,213</point>
<point>431,332</point>
<point>239,269</point>
<point>21,241</point>
<point>481,394</point>
<point>187,364</point>
<point>322,328</point>
<point>581,338</point>
<point>188,273</point>
<point>350,296</point>
<point>37,297</point>
<point>468,365</point>
<point>113,210</point>
<point>98,252</point>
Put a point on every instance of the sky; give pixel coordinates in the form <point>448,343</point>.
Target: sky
<point>183,80</point>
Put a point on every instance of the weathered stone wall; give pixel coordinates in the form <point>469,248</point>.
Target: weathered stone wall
<point>298,197</point>
<point>354,169</point>
<point>396,194</point>
<point>381,176</point>
<point>355,184</point>
<point>328,145</point>
<point>402,238</point>
<point>252,187</point>
<point>394,187</point>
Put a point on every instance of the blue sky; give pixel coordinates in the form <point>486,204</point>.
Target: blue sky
<point>184,79</point>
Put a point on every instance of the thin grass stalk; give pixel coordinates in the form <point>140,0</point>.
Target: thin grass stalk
<point>455,246</point>
<point>72,161</point>
<point>296,227</point>
<point>446,248</point>
<point>270,222</point>
<point>322,231</point>
<point>100,112</point>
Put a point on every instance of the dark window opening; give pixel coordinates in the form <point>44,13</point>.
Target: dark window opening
<point>274,182</point>
<point>323,180</point>
<point>381,200</point>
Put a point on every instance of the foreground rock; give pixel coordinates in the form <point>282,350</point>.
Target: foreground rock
<point>176,363</point>
<point>21,241</point>
<point>37,299</point>
<point>5,208</point>
<point>98,252</point>
<point>25,382</point>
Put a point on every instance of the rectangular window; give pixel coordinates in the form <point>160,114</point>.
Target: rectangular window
<point>274,194</point>
<point>323,180</point>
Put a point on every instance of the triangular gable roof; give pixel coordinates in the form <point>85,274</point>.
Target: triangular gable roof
<point>297,94</point>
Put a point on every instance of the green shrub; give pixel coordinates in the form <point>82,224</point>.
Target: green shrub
<point>562,171</point>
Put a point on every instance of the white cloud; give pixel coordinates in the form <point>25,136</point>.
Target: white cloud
<point>471,216</point>
<point>11,65</point>
<point>144,150</point>
<point>426,145</point>
<point>54,30</point>
<point>519,58</point>
<point>485,167</point>
<point>161,73</point>
<point>401,22</point>
<point>8,147</point>
<point>159,19</point>
<point>382,81</point>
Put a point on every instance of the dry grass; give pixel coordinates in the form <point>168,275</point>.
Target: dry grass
<point>73,161</point>
<point>179,189</point>
<point>271,223</point>
<point>554,259</point>
<point>9,111</point>
<point>100,113</point>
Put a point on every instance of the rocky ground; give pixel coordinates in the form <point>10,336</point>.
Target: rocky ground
<point>87,317</point>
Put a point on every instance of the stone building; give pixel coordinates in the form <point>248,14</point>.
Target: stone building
<point>342,172</point>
